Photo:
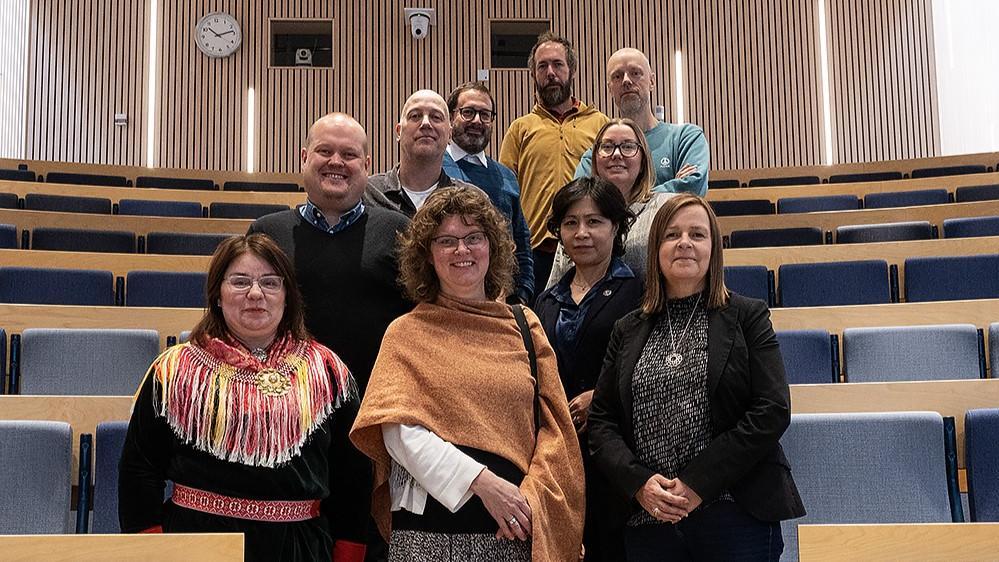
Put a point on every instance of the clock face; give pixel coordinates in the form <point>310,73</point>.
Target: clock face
<point>218,35</point>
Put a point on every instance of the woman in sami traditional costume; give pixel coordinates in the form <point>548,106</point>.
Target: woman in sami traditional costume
<point>476,457</point>
<point>249,421</point>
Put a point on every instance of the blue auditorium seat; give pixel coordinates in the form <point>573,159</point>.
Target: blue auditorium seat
<point>865,177</point>
<point>8,201</point>
<point>36,476</point>
<point>183,244</point>
<point>67,204</point>
<point>243,210</point>
<point>791,180</point>
<point>722,184</point>
<point>8,237</point>
<point>175,183</point>
<point>952,278</point>
<point>912,353</point>
<point>889,232</point>
<point>906,198</point>
<point>834,283</point>
<point>145,207</point>
<point>742,207</point>
<point>939,171</point>
<point>97,362</point>
<point>81,240</point>
<point>981,450</point>
<point>108,443</point>
<point>977,193</point>
<point>967,227</point>
<point>87,179</point>
<point>36,285</point>
<point>809,236</point>
<point>17,175</point>
<point>808,356</point>
<point>867,468</point>
<point>749,281</point>
<point>165,288</point>
<point>260,186</point>
<point>817,204</point>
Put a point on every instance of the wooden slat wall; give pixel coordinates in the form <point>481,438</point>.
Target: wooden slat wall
<point>86,63</point>
<point>750,72</point>
<point>882,80</point>
<point>13,63</point>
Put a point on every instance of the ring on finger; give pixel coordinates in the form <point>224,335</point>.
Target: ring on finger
<point>513,521</point>
<point>655,512</point>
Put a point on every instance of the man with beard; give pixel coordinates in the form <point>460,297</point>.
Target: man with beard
<point>423,132</point>
<point>679,152</point>
<point>473,111</point>
<point>543,147</point>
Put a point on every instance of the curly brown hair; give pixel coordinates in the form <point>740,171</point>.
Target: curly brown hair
<point>416,268</point>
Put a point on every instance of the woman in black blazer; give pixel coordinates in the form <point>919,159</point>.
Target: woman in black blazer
<point>691,404</point>
<point>590,218</point>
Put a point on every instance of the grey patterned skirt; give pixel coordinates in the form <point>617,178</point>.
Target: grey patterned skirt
<point>421,546</point>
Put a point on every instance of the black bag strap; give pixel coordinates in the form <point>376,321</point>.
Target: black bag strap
<point>525,332</point>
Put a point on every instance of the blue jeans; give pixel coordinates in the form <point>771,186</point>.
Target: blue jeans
<point>718,531</point>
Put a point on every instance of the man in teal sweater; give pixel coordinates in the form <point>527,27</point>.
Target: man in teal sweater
<point>679,152</point>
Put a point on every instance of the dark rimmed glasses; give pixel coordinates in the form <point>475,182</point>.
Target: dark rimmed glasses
<point>627,148</point>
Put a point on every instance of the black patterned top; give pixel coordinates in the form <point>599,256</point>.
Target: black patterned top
<point>672,414</point>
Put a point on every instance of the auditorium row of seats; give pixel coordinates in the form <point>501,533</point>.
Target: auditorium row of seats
<point>889,467</point>
<point>86,287</point>
<point>938,278</point>
<point>847,202</point>
<point>76,178</point>
<point>889,353</point>
<point>113,241</point>
<point>935,278</point>
<point>886,175</point>
<point>110,362</point>
<point>137,207</point>
<point>967,227</point>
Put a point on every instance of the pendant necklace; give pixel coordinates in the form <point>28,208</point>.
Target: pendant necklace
<point>675,358</point>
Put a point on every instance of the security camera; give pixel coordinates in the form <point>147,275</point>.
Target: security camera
<point>420,20</point>
<point>419,25</point>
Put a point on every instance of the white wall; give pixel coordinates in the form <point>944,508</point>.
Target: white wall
<point>967,59</point>
<point>13,77</point>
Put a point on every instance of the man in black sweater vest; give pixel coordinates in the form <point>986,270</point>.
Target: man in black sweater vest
<point>345,260</point>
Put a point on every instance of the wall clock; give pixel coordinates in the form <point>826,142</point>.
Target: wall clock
<point>218,35</point>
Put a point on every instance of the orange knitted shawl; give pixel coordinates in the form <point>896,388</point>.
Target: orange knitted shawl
<point>459,368</point>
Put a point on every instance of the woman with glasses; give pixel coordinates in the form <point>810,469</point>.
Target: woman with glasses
<point>475,455</point>
<point>590,219</point>
<point>249,421</point>
<point>621,156</point>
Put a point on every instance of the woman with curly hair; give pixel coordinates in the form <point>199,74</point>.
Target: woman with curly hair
<point>475,455</point>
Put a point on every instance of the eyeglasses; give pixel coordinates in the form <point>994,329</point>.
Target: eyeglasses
<point>267,283</point>
<point>627,148</point>
<point>471,240</point>
<point>469,113</point>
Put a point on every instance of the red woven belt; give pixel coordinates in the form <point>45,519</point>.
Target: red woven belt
<point>256,510</point>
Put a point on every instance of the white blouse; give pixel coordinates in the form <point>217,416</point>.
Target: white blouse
<point>423,463</point>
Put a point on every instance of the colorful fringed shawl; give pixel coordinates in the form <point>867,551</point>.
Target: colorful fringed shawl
<point>225,402</point>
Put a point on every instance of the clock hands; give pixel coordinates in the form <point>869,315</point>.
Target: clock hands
<point>225,33</point>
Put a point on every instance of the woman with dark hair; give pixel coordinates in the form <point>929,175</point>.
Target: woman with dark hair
<point>249,420</point>
<point>691,404</point>
<point>475,455</point>
<point>590,218</point>
<point>622,157</point>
